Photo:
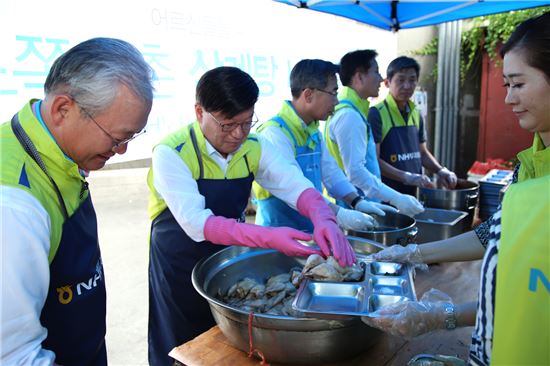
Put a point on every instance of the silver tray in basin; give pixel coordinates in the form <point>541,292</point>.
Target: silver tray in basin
<point>383,283</point>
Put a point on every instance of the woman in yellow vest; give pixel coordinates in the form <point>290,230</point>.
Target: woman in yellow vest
<point>512,321</point>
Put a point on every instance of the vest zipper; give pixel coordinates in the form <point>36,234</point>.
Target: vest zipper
<point>83,189</point>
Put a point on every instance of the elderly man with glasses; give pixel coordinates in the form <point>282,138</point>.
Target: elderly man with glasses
<point>200,182</point>
<point>98,96</point>
<point>294,131</point>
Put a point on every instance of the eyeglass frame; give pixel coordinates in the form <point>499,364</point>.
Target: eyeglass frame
<point>334,94</point>
<point>116,142</point>
<point>235,125</point>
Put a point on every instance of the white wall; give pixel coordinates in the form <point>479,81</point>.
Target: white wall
<point>181,40</point>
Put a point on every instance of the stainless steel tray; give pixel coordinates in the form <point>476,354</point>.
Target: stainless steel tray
<point>383,283</point>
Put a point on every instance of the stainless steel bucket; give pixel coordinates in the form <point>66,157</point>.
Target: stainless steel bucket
<point>463,198</point>
<point>281,339</point>
<point>395,228</point>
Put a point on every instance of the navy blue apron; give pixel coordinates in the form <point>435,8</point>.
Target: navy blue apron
<point>75,309</point>
<point>177,313</point>
<point>401,149</point>
<point>274,212</point>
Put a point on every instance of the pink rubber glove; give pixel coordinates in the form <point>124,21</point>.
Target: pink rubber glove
<point>326,232</point>
<point>224,231</point>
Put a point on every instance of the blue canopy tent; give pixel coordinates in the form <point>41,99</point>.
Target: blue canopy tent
<point>402,14</point>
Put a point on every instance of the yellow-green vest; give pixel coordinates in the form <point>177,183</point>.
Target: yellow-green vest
<point>288,114</point>
<point>413,117</point>
<point>535,161</point>
<point>19,170</point>
<point>522,305</point>
<point>180,141</point>
<point>362,106</point>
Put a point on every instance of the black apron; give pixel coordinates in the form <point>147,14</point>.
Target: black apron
<point>401,149</point>
<point>75,308</point>
<point>177,312</point>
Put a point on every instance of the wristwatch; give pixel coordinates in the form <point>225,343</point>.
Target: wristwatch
<point>355,201</point>
<point>450,316</point>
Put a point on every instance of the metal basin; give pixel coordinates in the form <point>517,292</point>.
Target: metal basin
<point>395,228</point>
<point>462,198</point>
<point>281,339</point>
<point>438,224</point>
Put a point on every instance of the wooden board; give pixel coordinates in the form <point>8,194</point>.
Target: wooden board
<point>459,280</point>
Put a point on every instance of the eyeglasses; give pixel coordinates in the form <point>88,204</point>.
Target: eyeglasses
<point>116,142</point>
<point>333,93</point>
<point>228,127</point>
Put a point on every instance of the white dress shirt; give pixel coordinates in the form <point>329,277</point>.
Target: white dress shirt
<point>24,247</point>
<point>334,180</point>
<point>350,133</point>
<point>175,184</point>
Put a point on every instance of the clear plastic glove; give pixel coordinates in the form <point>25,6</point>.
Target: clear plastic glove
<point>447,177</point>
<point>411,318</point>
<point>436,360</point>
<point>400,254</point>
<point>326,232</point>
<point>407,205</point>
<point>354,220</point>
<point>224,231</point>
<point>419,180</point>
<point>374,208</point>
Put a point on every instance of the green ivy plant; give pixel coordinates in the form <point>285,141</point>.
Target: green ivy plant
<point>486,32</point>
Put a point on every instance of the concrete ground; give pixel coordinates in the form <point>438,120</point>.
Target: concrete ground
<point>120,200</point>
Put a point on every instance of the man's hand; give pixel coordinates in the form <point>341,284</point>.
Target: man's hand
<point>354,220</point>
<point>447,177</point>
<point>418,180</point>
<point>373,208</point>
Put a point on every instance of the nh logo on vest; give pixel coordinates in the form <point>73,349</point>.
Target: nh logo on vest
<point>65,293</point>
<point>405,156</point>
<point>534,275</point>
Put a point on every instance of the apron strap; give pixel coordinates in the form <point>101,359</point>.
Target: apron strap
<point>389,112</point>
<point>283,124</point>
<point>246,162</point>
<point>29,147</point>
<point>197,152</point>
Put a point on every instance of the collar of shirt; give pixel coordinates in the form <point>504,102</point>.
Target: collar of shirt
<point>350,94</point>
<point>217,157</point>
<point>304,134</point>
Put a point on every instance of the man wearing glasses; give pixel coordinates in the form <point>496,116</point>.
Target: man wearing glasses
<point>98,96</point>
<point>294,131</point>
<point>200,182</point>
<point>349,135</point>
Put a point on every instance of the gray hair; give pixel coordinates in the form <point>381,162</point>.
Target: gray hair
<point>93,71</point>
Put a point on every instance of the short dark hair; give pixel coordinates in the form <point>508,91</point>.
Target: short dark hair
<point>532,38</point>
<point>228,90</point>
<point>311,74</point>
<point>352,62</point>
<point>402,63</point>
